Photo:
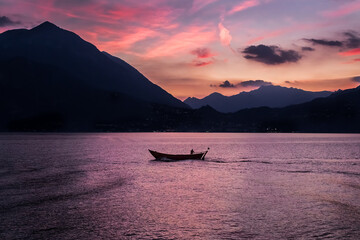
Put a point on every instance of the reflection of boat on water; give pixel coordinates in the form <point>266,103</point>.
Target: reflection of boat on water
<point>159,155</point>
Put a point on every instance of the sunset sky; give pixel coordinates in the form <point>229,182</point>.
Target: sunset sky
<point>196,47</point>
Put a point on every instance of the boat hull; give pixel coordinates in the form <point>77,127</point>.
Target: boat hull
<point>177,157</point>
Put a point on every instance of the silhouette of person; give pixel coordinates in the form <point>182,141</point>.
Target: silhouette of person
<point>192,151</point>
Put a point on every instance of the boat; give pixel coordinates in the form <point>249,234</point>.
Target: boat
<point>177,157</point>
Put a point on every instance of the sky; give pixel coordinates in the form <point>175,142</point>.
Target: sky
<point>192,48</point>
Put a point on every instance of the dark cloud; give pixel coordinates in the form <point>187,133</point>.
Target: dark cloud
<point>243,84</point>
<point>254,83</point>
<point>310,49</point>
<point>227,84</point>
<point>202,52</point>
<point>329,43</point>
<point>353,40</point>
<point>356,79</point>
<point>271,55</point>
<point>5,21</point>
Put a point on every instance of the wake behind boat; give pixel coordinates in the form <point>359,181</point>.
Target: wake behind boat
<point>164,156</point>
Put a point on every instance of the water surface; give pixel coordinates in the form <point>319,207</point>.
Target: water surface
<point>107,186</point>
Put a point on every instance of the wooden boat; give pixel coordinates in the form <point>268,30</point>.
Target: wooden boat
<point>176,157</point>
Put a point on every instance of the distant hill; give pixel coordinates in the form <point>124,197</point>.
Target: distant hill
<point>339,112</point>
<point>265,96</point>
<point>52,47</point>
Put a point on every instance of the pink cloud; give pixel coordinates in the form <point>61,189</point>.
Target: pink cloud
<point>111,25</point>
<point>197,63</point>
<point>112,40</point>
<point>344,10</point>
<point>181,42</point>
<point>352,52</point>
<point>224,34</point>
<point>146,16</point>
<point>108,12</point>
<point>202,53</point>
<point>243,6</point>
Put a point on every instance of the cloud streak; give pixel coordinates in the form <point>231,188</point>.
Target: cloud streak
<point>197,5</point>
<point>243,6</point>
<point>323,42</point>
<point>198,63</point>
<point>352,52</point>
<point>308,49</point>
<point>343,10</point>
<point>181,42</point>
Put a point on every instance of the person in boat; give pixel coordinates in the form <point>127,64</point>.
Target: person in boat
<point>192,151</point>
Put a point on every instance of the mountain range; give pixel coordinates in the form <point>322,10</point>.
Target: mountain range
<point>265,96</point>
<point>339,112</point>
<point>52,80</point>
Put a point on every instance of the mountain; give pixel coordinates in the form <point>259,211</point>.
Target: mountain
<point>267,96</point>
<point>339,112</point>
<point>52,47</point>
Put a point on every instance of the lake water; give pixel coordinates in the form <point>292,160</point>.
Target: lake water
<point>106,186</point>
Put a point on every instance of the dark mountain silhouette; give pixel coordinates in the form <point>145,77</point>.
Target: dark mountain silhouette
<point>339,112</point>
<point>267,96</point>
<point>54,47</point>
<point>36,96</point>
